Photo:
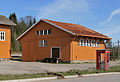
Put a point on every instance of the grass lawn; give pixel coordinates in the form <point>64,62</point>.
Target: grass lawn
<point>71,72</point>
<point>23,76</point>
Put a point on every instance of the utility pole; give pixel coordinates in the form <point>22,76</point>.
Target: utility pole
<point>113,52</point>
<point>118,48</point>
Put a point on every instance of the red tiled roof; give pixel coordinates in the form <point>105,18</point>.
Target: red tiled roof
<point>78,29</point>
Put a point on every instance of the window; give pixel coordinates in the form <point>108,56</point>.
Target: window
<point>45,32</point>
<point>93,43</point>
<point>2,35</point>
<point>87,43</point>
<point>42,43</point>
<point>45,43</point>
<point>41,32</point>
<point>37,32</point>
<point>81,43</point>
<point>97,44</point>
<point>49,31</point>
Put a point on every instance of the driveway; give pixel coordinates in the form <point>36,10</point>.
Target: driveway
<point>17,67</point>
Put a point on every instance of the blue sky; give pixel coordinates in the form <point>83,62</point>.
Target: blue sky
<point>100,15</point>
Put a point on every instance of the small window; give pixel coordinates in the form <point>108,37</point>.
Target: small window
<point>45,32</point>
<point>93,43</point>
<point>37,32</point>
<point>98,44</point>
<point>49,31</point>
<point>82,42</point>
<point>88,42</point>
<point>42,43</point>
<point>41,32</point>
<point>2,35</point>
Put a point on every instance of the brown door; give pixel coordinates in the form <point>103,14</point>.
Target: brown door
<point>55,52</point>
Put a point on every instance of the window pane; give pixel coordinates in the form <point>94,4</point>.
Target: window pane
<point>88,44</point>
<point>3,33</point>
<point>45,43</point>
<point>98,43</point>
<point>41,32</point>
<point>37,32</point>
<point>49,31</point>
<point>45,32</point>
<point>82,42</point>
<point>40,43</point>
<point>3,37</point>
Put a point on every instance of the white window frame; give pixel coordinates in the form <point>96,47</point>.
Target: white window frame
<point>43,43</point>
<point>43,32</point>
<point>47,31</point>
<point>87,43</point>
<point>2,35</point>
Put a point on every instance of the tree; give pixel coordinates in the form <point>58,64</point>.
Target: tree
<point>22,25</point>
<point>14,33</point>
<point>30,23</point>
<point>34,20</point>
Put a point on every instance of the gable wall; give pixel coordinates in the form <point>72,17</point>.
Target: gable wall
<point>58,38</point>
<point>5,45</point>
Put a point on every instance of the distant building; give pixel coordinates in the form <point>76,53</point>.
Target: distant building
<point>5,37</point>
<point>69,42</point>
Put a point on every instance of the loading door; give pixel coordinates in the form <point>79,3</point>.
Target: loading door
<point>55,52</point>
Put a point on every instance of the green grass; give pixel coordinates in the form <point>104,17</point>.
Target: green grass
<point>115,69</point>
<point>75,72</point>
<point>71,72</point>
<point>23,76</point>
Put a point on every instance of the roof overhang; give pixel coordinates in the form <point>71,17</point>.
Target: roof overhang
<point>106,38</point>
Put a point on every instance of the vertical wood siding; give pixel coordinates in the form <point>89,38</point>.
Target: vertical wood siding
<point>5,45</point>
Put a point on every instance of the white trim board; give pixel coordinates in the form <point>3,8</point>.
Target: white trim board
<point>46,22</point>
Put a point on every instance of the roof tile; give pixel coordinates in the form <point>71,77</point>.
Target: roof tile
<point>78,29</point>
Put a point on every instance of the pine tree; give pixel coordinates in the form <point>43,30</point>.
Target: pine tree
<point>34,20</point>
<point>14,33</point>
<point>30,23</point>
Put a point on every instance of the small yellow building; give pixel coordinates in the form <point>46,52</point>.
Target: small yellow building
<point>5,37</point>
<point>67,41</point>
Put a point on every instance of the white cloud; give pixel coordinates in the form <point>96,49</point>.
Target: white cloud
<point>110,26</point>
<point>115,12</point>
<point>63,7</point>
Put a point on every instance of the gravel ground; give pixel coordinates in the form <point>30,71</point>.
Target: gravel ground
<point>18,67</point>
